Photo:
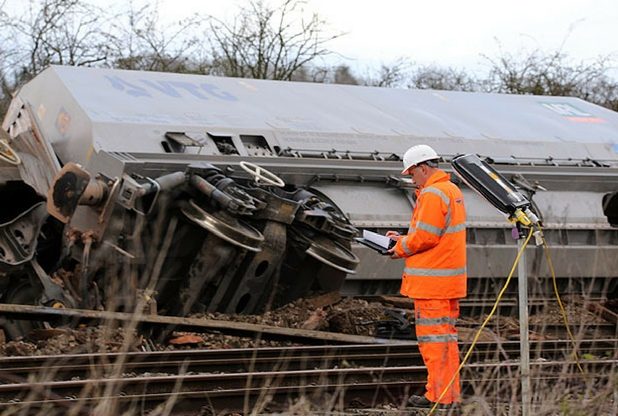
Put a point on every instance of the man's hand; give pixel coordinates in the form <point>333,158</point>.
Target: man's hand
<point>393,235</point>
<point>393,254</point>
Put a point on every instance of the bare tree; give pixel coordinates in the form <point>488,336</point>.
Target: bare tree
<point>140,41</point>
<point>44,32</point>
<point>267,42</point>
<point>443,78</point>
<point>65,32</point>
<point>343,75</point>
<point>5,86</point>
<point>38,33</point>
<point>312,73</point>
<point>603,91</point>
<point>403,73</point>
<point>390,75</point>
<point>536,72</point>
<point>555,74</point>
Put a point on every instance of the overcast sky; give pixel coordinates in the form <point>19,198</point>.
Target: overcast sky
<point>453,32</point>
<point>443,32</point>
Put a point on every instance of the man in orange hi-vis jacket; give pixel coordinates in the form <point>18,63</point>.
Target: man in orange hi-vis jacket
<point>435,271</point>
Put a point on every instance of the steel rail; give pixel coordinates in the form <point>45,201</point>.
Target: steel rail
<point>263,359</point>
<point>379,383</point>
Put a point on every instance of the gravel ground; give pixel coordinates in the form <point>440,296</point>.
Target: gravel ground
<point>328,312</point>
<point>347,315</point>
<point>350,316</point>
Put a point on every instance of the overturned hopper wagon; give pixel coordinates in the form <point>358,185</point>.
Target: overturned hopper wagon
<point>122,188</point>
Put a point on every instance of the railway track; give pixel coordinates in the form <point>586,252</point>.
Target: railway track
<point>369,385</point>
<point>233,379</point>
<point>67,367</point>
<point>367,375</point>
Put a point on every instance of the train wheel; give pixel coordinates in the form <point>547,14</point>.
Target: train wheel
<point>23,293</point>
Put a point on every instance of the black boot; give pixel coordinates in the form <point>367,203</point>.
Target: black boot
<point>420,402</point>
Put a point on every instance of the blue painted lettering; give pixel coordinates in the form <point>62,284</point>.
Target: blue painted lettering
<point>169,88</point>
<point>191,88</point>
<point>163,87</point>
<point>131,89</point>
<point>216,92</point>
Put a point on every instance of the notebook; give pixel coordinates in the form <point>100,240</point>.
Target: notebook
<point>377,242</point>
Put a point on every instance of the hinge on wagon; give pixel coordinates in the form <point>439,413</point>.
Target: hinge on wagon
<point>400,182</point>
<point>179,141</point>
<point>525,184</point>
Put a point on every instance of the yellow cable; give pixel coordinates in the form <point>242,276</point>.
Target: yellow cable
<point>562,310</point>
<point>491,313</point>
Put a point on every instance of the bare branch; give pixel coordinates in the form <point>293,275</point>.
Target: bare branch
<point>268,42</point>
<point>143,42</point>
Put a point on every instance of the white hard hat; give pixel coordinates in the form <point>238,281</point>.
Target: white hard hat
<point>418,154</point>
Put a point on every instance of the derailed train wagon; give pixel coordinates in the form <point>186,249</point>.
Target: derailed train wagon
<point>236,195</point>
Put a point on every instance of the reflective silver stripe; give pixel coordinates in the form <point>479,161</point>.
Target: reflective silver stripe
<point>411,230</point>
<point>447,219</point>
<point>429,228</point>
<point>434,272</point>
<point>456,228</point>
<point>404,246</point>
<point>435,321</point>
<point>438,192</point>
<point>440,231</point>
<point>437,338</point>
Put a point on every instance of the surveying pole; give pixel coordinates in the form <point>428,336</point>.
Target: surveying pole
<point>524,345</point>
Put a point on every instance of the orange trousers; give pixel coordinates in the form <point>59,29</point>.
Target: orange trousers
<point>437,341</point>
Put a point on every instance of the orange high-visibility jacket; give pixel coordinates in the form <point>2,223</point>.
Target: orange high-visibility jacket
<point>435,246</point>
